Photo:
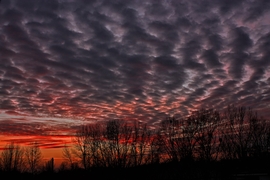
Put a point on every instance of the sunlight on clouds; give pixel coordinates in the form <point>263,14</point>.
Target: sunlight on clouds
<point>68,63</point>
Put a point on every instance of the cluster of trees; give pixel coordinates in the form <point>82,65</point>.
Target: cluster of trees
<point>16,158</point>
<point>206,135</point>
<point>112,144</point>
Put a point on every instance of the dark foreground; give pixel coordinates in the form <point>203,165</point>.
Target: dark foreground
<point>235,170</point>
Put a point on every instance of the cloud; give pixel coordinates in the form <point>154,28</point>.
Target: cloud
<point>128,59</point>
<point>44,142</point>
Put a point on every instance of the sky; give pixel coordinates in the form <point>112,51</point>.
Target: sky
<point>64,63</point>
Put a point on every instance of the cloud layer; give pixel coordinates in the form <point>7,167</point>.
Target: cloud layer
<point>96,60</point>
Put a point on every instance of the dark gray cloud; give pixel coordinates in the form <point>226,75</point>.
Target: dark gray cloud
<point>96,60</point>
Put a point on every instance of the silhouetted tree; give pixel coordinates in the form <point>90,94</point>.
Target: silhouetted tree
<point>243,133</point>
<point>206,137</point>
<point>12,158</point>
<point>114,143</point>
<point>169,138</point>
<point>141,141</point>
<point>68,155</point>
<point>155,153</point>
<point>82,150</point>
<point>191,138</point>
<point>94,144</point>
<point>33,157</point>
<point>117,147</point>
<point>260,136</point>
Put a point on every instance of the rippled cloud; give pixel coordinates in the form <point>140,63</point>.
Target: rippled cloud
<point>94,60</point>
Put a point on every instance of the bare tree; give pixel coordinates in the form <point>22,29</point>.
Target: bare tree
<point>68,155</point>
<point>81,149</point>
<point>169,138</point>
<point>117,146</point>
<point>12,157</point>
<point>191,138</point>
<point>238,133</point>
<point>88,146</point>
<point>114,143</point>
<point>178,138</point>
<point>260,135</point>
<point>33,157</point>
<point>155,146</point>
<point>207,148</point>
<point>140,144</point>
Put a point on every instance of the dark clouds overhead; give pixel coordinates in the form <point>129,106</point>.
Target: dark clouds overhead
<point>95,60</point>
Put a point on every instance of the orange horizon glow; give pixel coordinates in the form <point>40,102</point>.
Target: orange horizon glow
<point>50,146</point>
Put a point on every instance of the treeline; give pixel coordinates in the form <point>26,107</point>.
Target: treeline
<point>206,142</point>
<point>206,136</point>
<point>17,159</point>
